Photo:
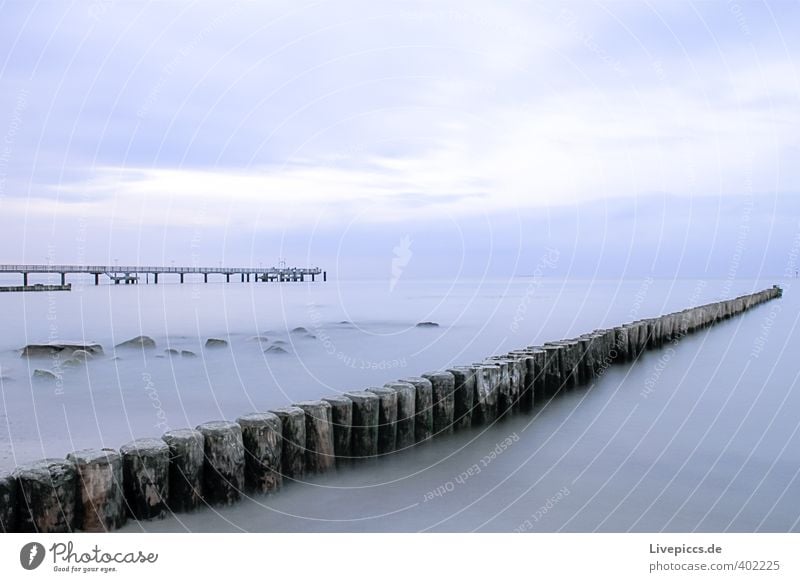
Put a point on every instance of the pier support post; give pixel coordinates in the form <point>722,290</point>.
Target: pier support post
<point>47,496</point>
<point>423,407</point>
<point>155,278</point>
<point>342,418</point>
<point>63,279</point>
<point>444,386</point>
<point>8,503</point>
<point>100,499</point>
<point>145,477</point>
<point>365,423</point>
<point>223,470</point>
<point>324,276</point>
<point>387,419</point>
<point>181,277</point>
<point>186,461</point>
<point>262,436</point>
<point>406,412</point>
<point>227,277</point>
<point>205,277</point>
<point>463,396</point>
<point>25,279</point>
<point>293,425</point>
<point>97,279</point>
<point>320,455</point>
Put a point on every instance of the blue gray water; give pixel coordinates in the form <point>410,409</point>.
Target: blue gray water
<point>699,436</point>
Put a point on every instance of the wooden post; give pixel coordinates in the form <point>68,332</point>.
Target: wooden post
<point>320,455</point>
<point>8,503</point>
<point>539,389</point>
<point>365,423</point>
<point>186,460</point>
<point>487,381</point>
<point>463,395</point>
<point>145,477</point>
<point>406,413</point>
<point>100,499</point>
<point>552,370</point>
<point>387,419</point>
<point>526,372</point>
<point>293,422</point>
<point>223,470</point>
<point>444,386</point>
<point>262,437</point>
<point>423,407</point>
<point>47,496</point>
<point>342,416</point>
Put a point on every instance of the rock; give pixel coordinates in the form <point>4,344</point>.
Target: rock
<point>47,492</point>
<point>72,363</point>
<point>82,355</point>
<point>8,503</point>
<point>171,352</point>
<point>142,342</point>
<point>39,374</point>
<point>427,324</point>
<point>188,354</point>
<point>223,473</point>
<point>299,330</point>
<point>145,477</point>
<point>214,342</point>
<point>259,338</point>
<point>186,459</point>
<point>101,501</point>
<point>48,349</point>
<point>279,343</point>
<point>262,435</point>
<point>275,350</point>
<point>345,322</point>
<point>310,336</point>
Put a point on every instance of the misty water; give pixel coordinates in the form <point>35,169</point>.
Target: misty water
<point>701,435</point>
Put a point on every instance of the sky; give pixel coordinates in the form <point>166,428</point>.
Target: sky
<point>458,138</point>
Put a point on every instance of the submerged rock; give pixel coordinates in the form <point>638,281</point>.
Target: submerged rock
<point>72,363</point>
<point>259,338</point>
<point>279,343</point>
<point>188,354</point>
<point>142,341</point>
<point>214,342</point>
<point>300,330</point>
<point>171,352</point>
<point>82,355</point>
<point>427,324</point>
<point>48,349</point>
<point>275,350</point>
<point>39,374</point>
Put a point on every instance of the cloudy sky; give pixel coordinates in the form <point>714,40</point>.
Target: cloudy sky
<point>638,138</point>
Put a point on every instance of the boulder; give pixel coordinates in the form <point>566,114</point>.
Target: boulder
<point>143,342</point>
<point>39,374</point>
<point>427,324</point>
<point>275,350</point>
<point>214,342</point>
<point>49,349</point>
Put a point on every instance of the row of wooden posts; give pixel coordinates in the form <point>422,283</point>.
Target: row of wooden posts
<point>218,462</point>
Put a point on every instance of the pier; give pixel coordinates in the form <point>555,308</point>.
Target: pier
<point>218,462</point>
<point>131,275</point>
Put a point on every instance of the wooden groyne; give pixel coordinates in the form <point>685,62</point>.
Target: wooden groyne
<point>37,287</point>
<point>218,462</point>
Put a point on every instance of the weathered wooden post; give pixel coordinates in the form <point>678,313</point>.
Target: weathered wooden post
<point>406,412</point>
<point>423,406</point>
<point>223,470</point>
<point>365,423</point>
<point>145,477</point>
<point>463,396</point>
<point>262,437</point>
<point>387,419</point>
<point>293,422</point>
<point>504,392</point>
<point>8,503</point>
<point>342,416</point>
<point>527,370</point>
<point>47,496</point>
<point>320,455</point>
<point>101,501</point>
<point>444,386</point>
<point>186,461</point>
<point>487,382</point>
<point>539,388</point>
<point>552,369</point>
